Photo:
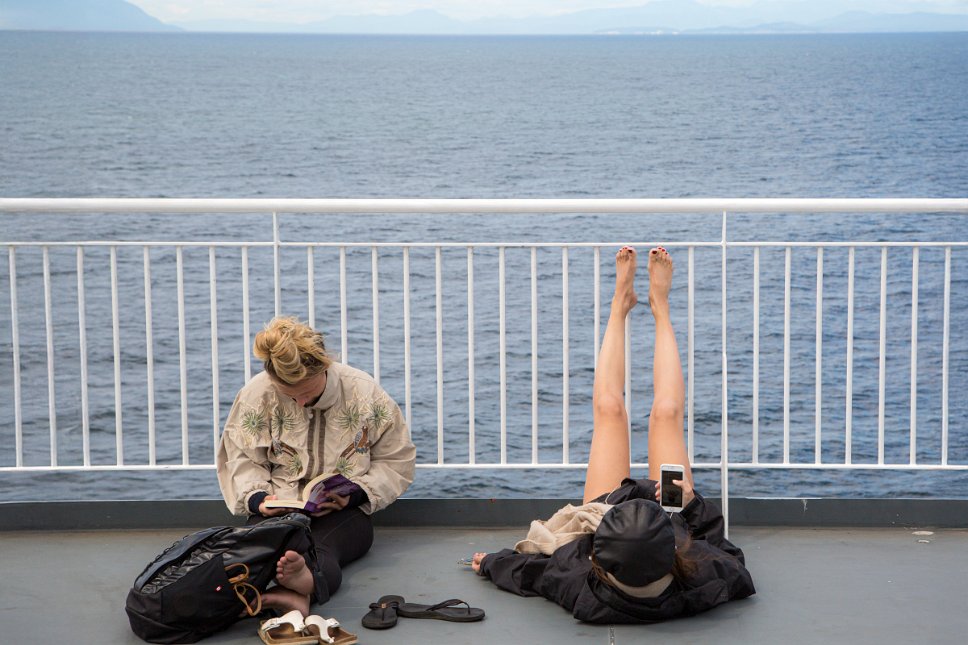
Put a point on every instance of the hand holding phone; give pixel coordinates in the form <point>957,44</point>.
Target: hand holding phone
<point>670,494</point>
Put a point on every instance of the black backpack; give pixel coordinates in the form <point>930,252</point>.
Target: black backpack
<point>202,583</point>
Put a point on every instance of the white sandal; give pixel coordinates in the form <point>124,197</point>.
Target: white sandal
<point>327,630</point>
<point>288,629</point>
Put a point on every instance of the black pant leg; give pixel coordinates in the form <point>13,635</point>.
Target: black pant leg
<point>340,538</point>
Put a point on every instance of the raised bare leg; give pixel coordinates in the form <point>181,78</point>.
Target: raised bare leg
<point>609,461</point>
<point>666,442</point>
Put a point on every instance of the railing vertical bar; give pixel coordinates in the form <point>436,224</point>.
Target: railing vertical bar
<point>246,337</point>
<point>407,366</point>
<point>344,332</point>
<point>311,286</point>
<point>565,394</point>
<point>375,288</point>
<point>534,355</point>
<point>786,354</point>
<point>915,262</point>
<point>628,374</point>
<point>691,357</point>
<point>182,361</point>
<point>150,358</point>
<point>213,302</point>
<point>15,340</point>
<point>276,268</point>
<point>49,332</point>
<point>440,354</point>
<point>502,353</point>
<point>756,355</point>
<point>946,335</point>
<point>849,396</point>
<point>471,457</point>
<point>818,364</point>
<point>597,296</point>
<point>116,334</point>
<point>882,359</point>
<point>82,349</point>
<point>724,446</point>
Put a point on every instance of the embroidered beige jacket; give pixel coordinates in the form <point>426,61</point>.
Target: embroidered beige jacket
<point>271,444</point>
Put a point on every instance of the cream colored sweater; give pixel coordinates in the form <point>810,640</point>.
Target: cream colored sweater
<point>270,444</point>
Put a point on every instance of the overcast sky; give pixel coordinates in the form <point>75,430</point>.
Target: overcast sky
<point>300,11</point>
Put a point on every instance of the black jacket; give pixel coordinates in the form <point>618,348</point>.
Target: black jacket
<point>566,576</point>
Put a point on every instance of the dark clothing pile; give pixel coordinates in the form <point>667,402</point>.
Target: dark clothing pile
<point>566,576</point>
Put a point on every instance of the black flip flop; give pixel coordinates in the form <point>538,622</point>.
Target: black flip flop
<point>383,613</point>
<point>446,610</point>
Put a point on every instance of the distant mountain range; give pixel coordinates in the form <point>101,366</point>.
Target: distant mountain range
<point>77,15</point>
<point>660,17</point>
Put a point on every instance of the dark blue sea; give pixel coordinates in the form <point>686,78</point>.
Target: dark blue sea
<point>205,115</point>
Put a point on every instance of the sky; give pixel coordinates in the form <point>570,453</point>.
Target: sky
<point>301,11</point>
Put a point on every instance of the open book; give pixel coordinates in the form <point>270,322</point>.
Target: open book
<point>317,492</point>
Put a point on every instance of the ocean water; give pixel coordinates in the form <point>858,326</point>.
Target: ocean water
<point>192,115</point>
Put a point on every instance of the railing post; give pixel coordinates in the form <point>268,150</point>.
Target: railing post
<point>724,443</point>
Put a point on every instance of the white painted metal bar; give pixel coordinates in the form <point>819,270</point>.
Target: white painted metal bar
<point>849,396</point>
<point>116,336</point>
<point>724,439</point>
<point>786,356</point>
<point>733,465</point>
<point>691,357</point>
<point>711,206</point>
<point>945,366</point>
<point>407,362</point>
<point>597,297</point>
<point>246,331</point>
<point>628,374</point>
<point>882,360</point>
<point>502,352</point>
<point>471,457</point>
<point>438,292</point>
<point>464,245</point>
<point>534,355</point>
<point>375,290</point>
<point>276,270</point>
<point>565,393</point>
<point>915,261</point>
<point>213,302</point>
<point>344,330</point>
<point>182,362</point>
<point>756,355</point>
<point>818,365</point>
<point>49,333</point>
<point>15,341</point>
<point>82,355</point>
<point>149,358</point>
<point>311,286</point>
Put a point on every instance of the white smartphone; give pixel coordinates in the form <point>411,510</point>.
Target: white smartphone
<point>670,495</point>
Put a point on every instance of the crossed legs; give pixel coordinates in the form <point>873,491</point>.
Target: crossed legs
<point>609,461</point>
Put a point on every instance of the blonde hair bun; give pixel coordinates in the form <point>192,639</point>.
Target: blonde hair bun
<point>291,350</point>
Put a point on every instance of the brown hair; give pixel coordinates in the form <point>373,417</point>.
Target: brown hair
<point>291,351</point>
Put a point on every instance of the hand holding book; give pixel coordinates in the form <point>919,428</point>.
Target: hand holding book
<point>327,492</point>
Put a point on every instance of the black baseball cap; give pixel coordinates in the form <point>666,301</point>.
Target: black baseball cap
<point>635,542</point>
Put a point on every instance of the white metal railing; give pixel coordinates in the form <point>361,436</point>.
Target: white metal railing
<point>505,448</point>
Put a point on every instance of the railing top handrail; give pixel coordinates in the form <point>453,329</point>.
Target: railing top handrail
<point>504,205</point>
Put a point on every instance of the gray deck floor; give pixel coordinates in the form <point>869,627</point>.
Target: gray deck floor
<point>814,586</point>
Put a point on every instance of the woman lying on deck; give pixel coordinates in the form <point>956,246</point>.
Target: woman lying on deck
<point>620,558</point>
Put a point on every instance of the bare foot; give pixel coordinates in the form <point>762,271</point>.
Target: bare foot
<point>292,573</point>
<point>625,297</point>
<point>285,600</point>
<point>660,281</point>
